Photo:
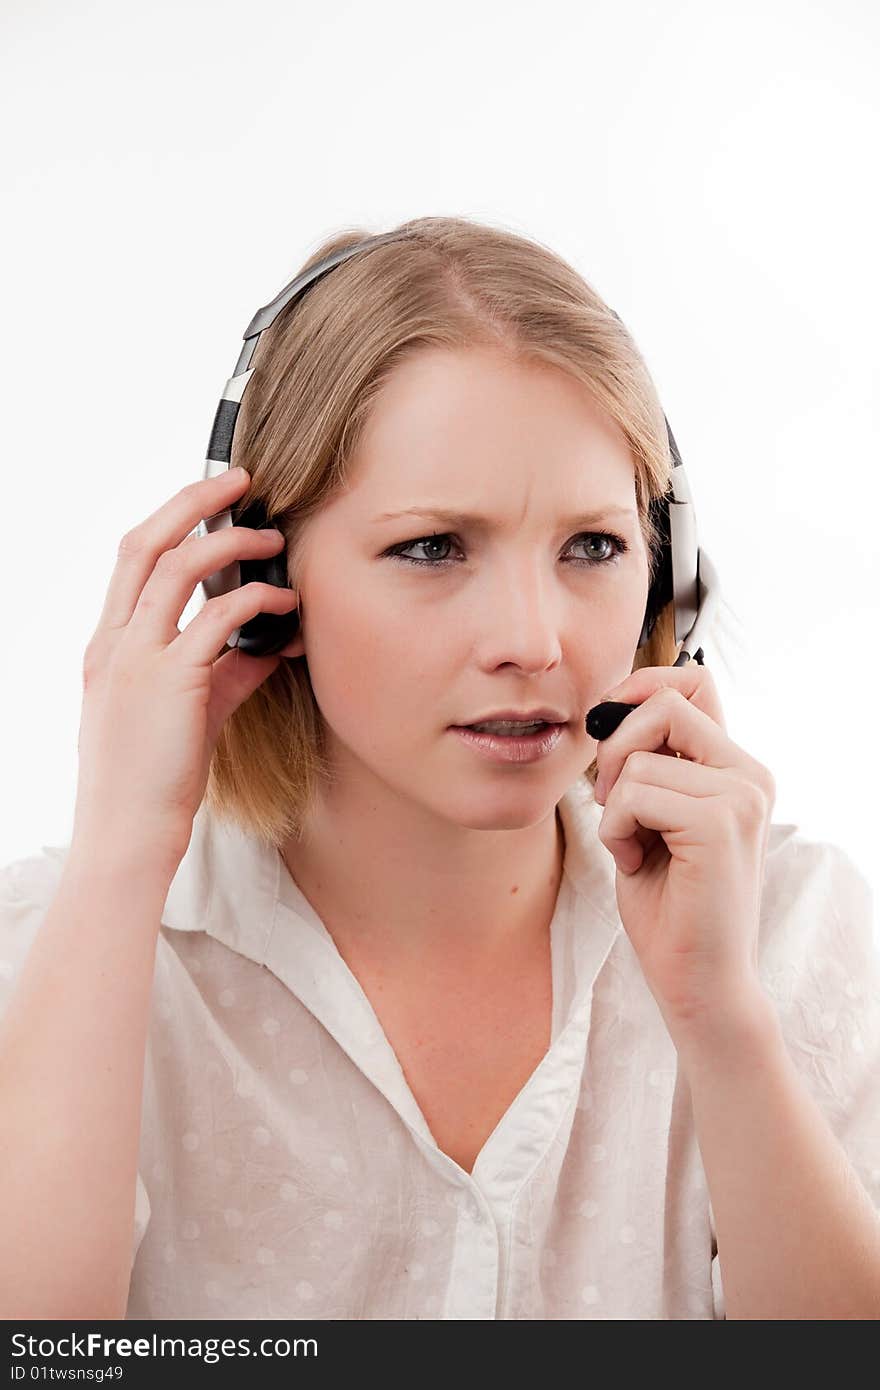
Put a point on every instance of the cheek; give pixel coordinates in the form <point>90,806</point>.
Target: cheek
<point>371,661</point>
<point>610,638</point>
<point>620,610</point>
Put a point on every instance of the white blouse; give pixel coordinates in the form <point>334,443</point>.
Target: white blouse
<point>286,1170</point>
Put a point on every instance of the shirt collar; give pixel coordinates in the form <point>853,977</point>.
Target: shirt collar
<point>231,885</point>
<point>239,890</point>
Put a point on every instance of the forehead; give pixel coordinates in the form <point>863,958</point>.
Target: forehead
<point>473,431</point>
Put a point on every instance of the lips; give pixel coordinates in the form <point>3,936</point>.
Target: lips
<point>529,724</point>
<point>512,748</point>
<point>546,715</point>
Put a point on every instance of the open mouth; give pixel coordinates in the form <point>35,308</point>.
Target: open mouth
<point>512,745</point>
<point>511,730</point>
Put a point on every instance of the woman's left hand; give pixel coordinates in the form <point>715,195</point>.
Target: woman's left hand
<point>689,837</point>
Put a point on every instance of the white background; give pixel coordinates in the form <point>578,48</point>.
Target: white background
<point>711,169</point>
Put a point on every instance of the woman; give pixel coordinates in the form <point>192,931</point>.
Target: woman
<point>437,1032</point>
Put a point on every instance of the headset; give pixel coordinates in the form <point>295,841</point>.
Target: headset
<point>685,573</point>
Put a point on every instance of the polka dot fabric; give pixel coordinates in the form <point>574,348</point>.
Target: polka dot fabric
<point>286,1171</point>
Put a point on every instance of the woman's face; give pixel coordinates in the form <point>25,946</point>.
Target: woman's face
<point>508,614</point>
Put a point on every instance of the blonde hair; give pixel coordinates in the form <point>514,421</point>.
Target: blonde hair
<point>317,371</point>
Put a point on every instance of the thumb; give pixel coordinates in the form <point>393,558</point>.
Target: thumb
<point>236,675</point>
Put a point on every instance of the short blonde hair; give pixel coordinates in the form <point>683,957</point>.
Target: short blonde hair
<point>454,283</point>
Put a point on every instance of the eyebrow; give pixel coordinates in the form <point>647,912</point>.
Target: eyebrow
<point>484,523</point>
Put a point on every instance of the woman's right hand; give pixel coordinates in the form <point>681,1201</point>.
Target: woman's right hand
<point>155,698</point>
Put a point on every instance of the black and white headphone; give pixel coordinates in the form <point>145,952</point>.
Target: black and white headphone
<point>685,572</point>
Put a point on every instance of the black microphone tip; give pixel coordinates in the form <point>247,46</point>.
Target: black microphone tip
<point>603,719</point>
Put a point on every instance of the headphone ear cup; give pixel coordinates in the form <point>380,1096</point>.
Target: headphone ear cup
<point>661,590</point>
<point>267,633</point>
<point>272,570</point>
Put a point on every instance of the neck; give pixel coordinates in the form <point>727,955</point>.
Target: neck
<point>403,885</point>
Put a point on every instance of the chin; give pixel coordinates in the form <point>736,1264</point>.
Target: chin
<point>500,810</point>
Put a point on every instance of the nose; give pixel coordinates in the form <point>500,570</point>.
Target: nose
<point>521,618</point>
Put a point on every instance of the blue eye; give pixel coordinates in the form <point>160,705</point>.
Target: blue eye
<point>618,547</point>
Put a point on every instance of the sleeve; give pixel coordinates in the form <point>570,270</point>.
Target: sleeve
<point>819,963</point>
<point>27,888</point>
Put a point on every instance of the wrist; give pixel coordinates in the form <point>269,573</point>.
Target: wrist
<point>737,1031</point>
<point>120,863</point>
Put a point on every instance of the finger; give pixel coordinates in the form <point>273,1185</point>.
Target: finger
<point>170,587</point>
<point>667,718</point>
<point>204,638</point>
<point>676,774</point>
<point>693,681</point>
<point>235,677</point>
<point>165,528</point>
<point>668,812</point>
